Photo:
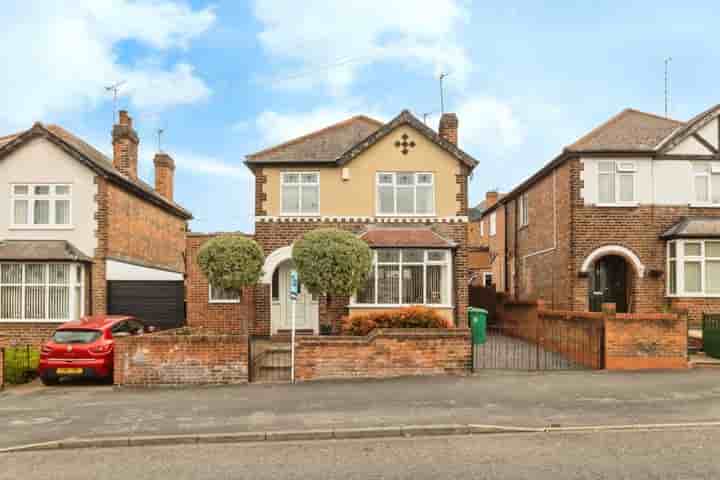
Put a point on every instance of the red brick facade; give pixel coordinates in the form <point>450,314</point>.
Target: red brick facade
<point>181,358</point>
<point>236,318</point>
<point>384,354</point>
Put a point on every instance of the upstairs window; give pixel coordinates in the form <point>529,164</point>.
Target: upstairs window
<point>616,182</point>
<point>405,193</point>
<point>45,205</point>
<point>493,224</point>
<point>706,182</point>
<point>524,218</point>
<point>300,193</point>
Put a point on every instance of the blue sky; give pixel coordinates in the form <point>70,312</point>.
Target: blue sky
<point>227,78</point>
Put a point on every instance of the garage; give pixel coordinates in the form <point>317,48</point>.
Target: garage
<point>157,297</point>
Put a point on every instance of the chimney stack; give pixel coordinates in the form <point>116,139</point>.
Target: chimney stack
<point>449,127</point>
<point>164,174</point>
<point>491,198</point>
<point>125,146</point>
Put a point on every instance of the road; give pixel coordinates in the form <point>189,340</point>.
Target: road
<point>33,414</point>
<point>671,454</point>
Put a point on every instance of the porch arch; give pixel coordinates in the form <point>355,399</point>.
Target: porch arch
<point>619,250</point>
<point>273,260</point>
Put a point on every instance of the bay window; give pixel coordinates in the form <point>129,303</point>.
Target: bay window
<point>706,183</point>
<point>405,193</point>
<point>41,205</point>
<point>693,268</point>
<point>408,277</point>
<point>300,193</point>
<point>616,182</point>
<point>41,292</point>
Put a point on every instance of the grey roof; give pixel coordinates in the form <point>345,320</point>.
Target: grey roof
<point>630,130</point>
<point>476,212</point>
<point>694,227</point>
<point>41,250</point>
<point>93,158</point>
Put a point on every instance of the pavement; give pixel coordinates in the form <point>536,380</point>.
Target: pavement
<point>637,455</point>
<point>35,414</point>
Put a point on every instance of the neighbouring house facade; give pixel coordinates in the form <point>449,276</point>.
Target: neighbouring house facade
<point>76,224</point>
<point>628,214</point>
<point>400,186</point>
<point>486,243</point>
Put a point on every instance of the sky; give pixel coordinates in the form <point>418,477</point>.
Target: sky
<point>227,78</point>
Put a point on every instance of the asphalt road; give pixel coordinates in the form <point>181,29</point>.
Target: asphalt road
<point>671,454</point>
<point>33,414</point>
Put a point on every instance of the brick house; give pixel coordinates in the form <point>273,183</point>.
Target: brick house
<point>82,234</point>
<point>400,186</point>
<point>627,214</point>
<point>486,243</point>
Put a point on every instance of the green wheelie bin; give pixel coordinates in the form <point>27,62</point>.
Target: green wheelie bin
<point>477,318</point>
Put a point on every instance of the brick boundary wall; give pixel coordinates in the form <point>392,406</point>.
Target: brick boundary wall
<point>645,341</point>
<point>34,334</point>
<point>176,358</point>
<point>384,353</point>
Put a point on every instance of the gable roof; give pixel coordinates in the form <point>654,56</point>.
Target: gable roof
<point>341,142</point>
<point>92,158</point>
<point>407,118</point>
<point>629,130</point>
<point>687,129</point>
<point>694,227</point>
<point>41,250</point>
<point>322,146</point>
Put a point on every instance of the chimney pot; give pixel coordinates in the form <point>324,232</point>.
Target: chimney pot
<point>164,175</point>
<point>448,128</point>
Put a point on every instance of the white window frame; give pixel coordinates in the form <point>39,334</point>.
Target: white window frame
<point>714,169</point>
<point>215,301</point>
<point>523,207</point>
<point>680,259</point>
<point>72,285</point>
<point>620,169</point>
<point>482,228</point>
<point>52,197</point>
<point>493,224</point>
<point>448,262</point>
<point>395,187</point>
<point>300,184</point>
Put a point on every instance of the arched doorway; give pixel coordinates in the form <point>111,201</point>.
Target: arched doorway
<point>610,282</point>
<point>306,305</point>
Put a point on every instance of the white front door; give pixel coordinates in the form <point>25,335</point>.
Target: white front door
<point>306,308</point>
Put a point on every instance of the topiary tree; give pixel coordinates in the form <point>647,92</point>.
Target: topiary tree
<point>330,261</point>
<point>231,261</point>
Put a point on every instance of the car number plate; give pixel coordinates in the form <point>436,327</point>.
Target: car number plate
<point>69,371</point>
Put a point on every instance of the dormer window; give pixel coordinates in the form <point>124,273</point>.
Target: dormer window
<point>300,193</point>
<point>405,194</point>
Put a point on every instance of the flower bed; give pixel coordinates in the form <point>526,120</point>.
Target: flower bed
<point>407,317</point>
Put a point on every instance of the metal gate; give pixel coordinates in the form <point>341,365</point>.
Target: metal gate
<point>160,304</point>
<point>711,335</point>
<point>546,345</point>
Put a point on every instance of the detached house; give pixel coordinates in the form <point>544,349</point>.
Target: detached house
<point>401,186</point>
<point>629,214</point>
<point>82,234</point>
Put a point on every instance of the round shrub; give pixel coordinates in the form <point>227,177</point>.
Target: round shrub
<point>231,261</point>
<point>407,317</point>
<point>330,261</point>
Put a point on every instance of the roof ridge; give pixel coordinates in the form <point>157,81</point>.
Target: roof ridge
<point>315,133</point>
<point>654,115</point>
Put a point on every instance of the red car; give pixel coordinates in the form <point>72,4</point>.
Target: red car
<point>84,348</point>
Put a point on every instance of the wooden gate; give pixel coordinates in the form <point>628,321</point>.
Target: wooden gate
<point>711,335</point>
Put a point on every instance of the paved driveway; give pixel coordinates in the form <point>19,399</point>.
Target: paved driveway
<point>36,414</point>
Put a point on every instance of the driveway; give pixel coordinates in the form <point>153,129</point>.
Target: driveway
<point>33,413</point>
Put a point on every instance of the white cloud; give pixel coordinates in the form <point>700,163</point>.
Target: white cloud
<point>328,43</point>
<point>489,123</point>
<point>197,163</point>
<point>275,127</point>
<point>60,55</point>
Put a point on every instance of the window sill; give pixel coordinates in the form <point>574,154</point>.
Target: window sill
<point>694,295</point>
<point>222,302</point>
<point>299,215</point>
<point>393,305</point>
<point>56,322</point>
<point>704,205</point>
<point>41,227</point>
<point>618,205</point>
<point>405,215</point>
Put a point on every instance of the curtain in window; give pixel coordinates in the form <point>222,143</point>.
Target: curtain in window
<point>412,284</point>
<point>692,277</point>
<point>62,212</point>
<point>388,285</point>
<point>20,212</point>
<point>41,212</point>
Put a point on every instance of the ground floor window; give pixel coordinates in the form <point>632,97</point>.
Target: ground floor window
<point>408,277</point>
<point>223,295</point>
<point>41,291</point>
<point>693,268</point>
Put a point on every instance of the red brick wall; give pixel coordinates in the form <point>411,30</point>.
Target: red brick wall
<point>181,359</point>
<point>274,235</point>
<point>222,317</point>
<point>645,341</point>
<point>26,333</point>
<point>384,354</point>
<point>142,232</point>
